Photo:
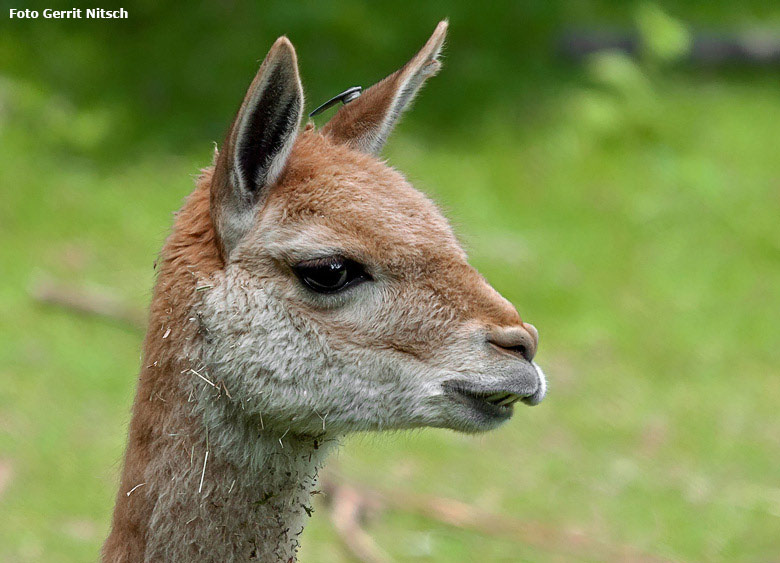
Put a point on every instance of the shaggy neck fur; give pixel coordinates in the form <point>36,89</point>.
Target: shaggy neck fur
<point>205,478</point>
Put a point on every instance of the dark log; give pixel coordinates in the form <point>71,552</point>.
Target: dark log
<point>707,49</point>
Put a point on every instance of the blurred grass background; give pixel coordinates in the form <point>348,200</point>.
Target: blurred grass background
<point>628,207</point>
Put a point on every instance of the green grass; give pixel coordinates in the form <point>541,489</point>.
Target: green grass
<point>639,233</point>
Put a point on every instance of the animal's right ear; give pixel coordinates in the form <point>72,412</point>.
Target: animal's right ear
<point>257,145</point>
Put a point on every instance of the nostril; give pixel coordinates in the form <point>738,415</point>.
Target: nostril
<point>517,340</point>
<point>521,350</point>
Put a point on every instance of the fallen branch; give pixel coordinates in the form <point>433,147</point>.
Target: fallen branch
<point>99,304</point>
<point>465,516</point>
<point>348,508</point>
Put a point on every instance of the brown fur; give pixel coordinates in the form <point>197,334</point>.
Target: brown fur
<point>364,124</point>
<point>388,222</point>
<point>189,252</point>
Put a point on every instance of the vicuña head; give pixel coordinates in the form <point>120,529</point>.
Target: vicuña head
<point>307,291</point>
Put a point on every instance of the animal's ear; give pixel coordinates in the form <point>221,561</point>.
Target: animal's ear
<point>257,145</point>
<point>366,122</point>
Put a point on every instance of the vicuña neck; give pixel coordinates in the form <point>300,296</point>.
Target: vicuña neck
<point>202,480</point>
<point>231,492</point>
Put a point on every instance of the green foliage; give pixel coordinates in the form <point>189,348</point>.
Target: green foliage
<point>664,38</point>
<point>621,98</point>
<point>54,118</point>
<point>628,208</point>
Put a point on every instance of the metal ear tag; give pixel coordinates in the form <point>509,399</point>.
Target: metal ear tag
<point>345,97</point>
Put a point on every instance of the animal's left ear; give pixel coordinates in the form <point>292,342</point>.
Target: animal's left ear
<point>366,122</point>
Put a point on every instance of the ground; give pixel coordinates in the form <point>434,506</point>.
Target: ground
<point>637,229</point>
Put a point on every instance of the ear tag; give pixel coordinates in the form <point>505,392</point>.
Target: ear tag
<point>345,97</point>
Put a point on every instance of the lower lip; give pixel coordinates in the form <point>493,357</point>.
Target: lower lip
<point>488,409</point>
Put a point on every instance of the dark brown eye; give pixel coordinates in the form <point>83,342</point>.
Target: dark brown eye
<point>330,275</point>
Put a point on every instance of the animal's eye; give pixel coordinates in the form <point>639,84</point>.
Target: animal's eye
<point>330,275</point>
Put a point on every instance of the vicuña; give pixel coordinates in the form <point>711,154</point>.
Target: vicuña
<point>306,291</point>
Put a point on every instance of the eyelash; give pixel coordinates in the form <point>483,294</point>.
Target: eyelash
<point>330,275</point>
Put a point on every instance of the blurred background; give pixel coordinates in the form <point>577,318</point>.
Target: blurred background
<point>626,200</point>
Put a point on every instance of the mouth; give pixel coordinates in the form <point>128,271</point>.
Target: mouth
<point>496,405</point>
<point>490,405</point>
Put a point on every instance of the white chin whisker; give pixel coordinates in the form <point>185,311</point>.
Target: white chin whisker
<point>542,382</point>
